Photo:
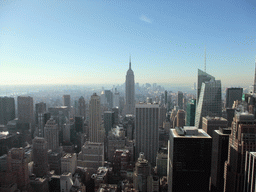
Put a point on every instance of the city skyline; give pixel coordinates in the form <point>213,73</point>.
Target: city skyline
<point>88,42</point>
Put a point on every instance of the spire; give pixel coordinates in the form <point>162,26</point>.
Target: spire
<point>204,58</point>
<point>130,65</point>
<point>254,85</point>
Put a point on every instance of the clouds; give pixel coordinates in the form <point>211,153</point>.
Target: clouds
<point>145,19</point>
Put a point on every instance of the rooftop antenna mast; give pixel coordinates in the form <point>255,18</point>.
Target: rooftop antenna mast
<point>204,58</point>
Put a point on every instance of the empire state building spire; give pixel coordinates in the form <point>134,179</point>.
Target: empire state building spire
<point>130,64</point>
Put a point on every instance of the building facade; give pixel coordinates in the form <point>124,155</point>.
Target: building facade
<point>129,91</point>
<point>94,118</point>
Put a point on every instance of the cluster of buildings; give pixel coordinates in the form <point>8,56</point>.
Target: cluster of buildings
<point>162,142</point>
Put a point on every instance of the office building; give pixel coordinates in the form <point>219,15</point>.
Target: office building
<point>180,99</point>
<point>250,172</point>
<point>94,119</point>
<point>109,99</point>
<point>201,78</point>
<point>17,165</point>
<point>242,139</point>
<point>91,155</point>
<point>51,134</point>
<point>40,157</point>
<point>40,109</point>
<point>161,162</point>
<point>146,131</point>
<point>108,121</point>
<point>66,182</point>
<point>66,101</point>
<point>209,124</point>
<point>68,163</point>
<point>189,160</point>
<point>141,173</point>
<point>220,141</point>
<point>54,160</point>
<point>25,109</point>
<point>129,91</point>
<point>116,99</point>
<point>233,94</point>
<point>181,118</point>
<point>209,102</point>
<point>81,108</point>
<point>7,110</point>
<point>190,112</point>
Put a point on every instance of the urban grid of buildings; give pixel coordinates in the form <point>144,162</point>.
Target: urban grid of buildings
<point>143,139</point>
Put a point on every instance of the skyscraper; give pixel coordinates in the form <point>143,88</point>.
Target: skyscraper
<point>191,110</point>
<point>51,134</point>
<point>180,118</point>
<point>66,101</point>
<point>40,157</point>
<point>146,131</point>
<point>242,139</point>
<point>25,109</point>
<point>233,94</point>
<point>129,91</point>
<point>94,118</point>
<point>81,107</point>
<point>202,77</point>
<point>180,100</point>
<point>7,110</point>
<point>189,160</point>
<point>109,99</point>
<point>116,99</point>
<point>209,102</point>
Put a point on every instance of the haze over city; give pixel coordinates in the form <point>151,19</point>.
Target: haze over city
<point>89,42</point>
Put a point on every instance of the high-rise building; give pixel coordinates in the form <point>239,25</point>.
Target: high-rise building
<point>7,110</point>
<point>40,157</point>
<point>66,101</point>
<point>25,109</point>
<point>116,100</point>
<point>109,99</point>
<point>189,160</point>
<point>233,94</point>
<point>17,164</point>
<point>180,118</point>
<point>209,124</point>
<point>94,118</point>
<point>242,139</point>
<point>220,141</point>
<point>141,174</point>
<point>146,131</point>
<point>209,102</point>
<point>250,172</point>
<point>81,108</point>
<point>180,100</point>
<point>51,134</point>
<point>68,163</point>
<point>108,121</point>
<point>190,112</point>
<point>39,117</point>
<point>202,77</point>
<point>129,91</point>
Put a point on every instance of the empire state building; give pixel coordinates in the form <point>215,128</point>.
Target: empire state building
<point>129,91</point>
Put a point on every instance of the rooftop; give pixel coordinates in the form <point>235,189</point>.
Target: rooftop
<point>189,132</point>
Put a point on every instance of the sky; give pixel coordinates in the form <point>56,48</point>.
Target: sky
<point>89,42</point>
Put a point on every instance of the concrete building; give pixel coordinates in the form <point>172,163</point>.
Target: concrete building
<point>116,100</point>
<point>94,118</point>
<point>141,173</point>
<point>189,156</point>
<point>242,139</point>
<point>66,101</point>
<point>250,172</point>
<point>40,157</point>
<point>68,163</point>
<point>161,162</point>
<point>81,108</point>
<point>146,127</point>
<point>220,141</point>
<point>17,165</point>
<point>66,182</point>
<point>25,109</point>
<point>54,160</point>
<point>209,102</point>
<point>233,94</point>
<point>180,99</point>
<point>51,134</point>
<point>39,184</point>
<point>91,155</point>
<point>181,118</point>
<point>108,121</point>
<point>129,91</point>
<point>109,99</point>
<point>7,110</point>
<point>209,124</point>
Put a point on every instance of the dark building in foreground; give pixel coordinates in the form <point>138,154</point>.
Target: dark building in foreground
<point>242,139</point>
<point>233,94</point>
<point>189,160</point>
<point>220,139</point>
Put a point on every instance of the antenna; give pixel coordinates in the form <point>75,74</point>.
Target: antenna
<point>204,58</point>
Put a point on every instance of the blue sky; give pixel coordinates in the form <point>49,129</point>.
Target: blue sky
<point>89,42</point>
